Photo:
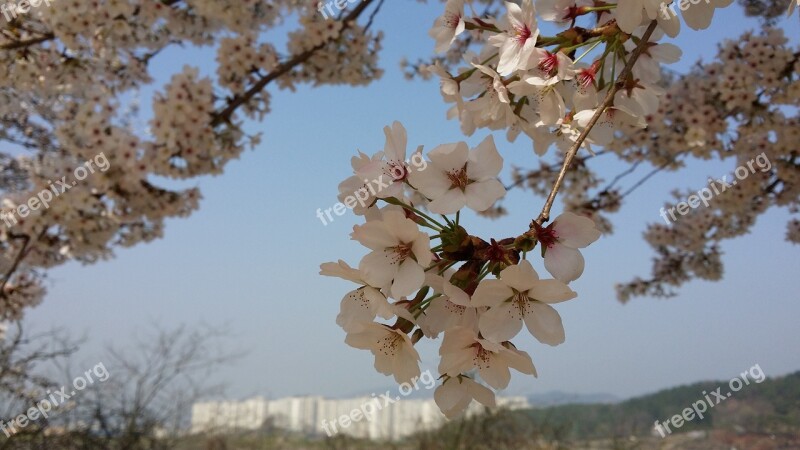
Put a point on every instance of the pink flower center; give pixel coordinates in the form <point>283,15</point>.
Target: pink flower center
<point>401,252</point>
<point>586,77</point>
<point>522,303</point>
<point>482,358</point>
<point>546,236</point>
<point>390,343</point>
<point>452,20</point>
<point>549,64</point>
<point>522,34</point>
<point>458,178</point>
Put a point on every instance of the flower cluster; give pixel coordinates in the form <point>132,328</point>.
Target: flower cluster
<point>425,276</point>
<point>67,77</point>
<point>547,87</point>
<point>741,104</point>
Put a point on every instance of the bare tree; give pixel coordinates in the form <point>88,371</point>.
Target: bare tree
<point>144,400</point>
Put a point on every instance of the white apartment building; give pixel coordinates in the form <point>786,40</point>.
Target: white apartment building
<point>320,416</point>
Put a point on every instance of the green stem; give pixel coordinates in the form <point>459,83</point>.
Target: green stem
<point>596,43</point>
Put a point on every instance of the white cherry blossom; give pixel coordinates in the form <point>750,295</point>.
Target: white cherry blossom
<point>400,253</point>
<point>456,393</point>
<point>393,350</point>
<point>518,37</point>
<point>560,243</point>
<point>520,296</point>
<point>462,351</point>
<point>449,25</point>
<point>457,177</point>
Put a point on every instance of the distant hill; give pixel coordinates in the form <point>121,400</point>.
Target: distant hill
<point>772,406</point>
<point>556,398</point>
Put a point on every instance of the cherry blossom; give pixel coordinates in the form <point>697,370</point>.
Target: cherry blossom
<point>560,243</point>
<point>453,308</point>
<point>362,304</point>
<point>520,296</point>
<point>462,350</point>
<point>400,253</point>
<point>517,40</point>
<point>449,25</point>
<point>456,393</point>
<point>394,353</point>
<point>459,177</point>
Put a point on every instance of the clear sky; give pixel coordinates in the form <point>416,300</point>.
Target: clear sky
<point>249,258</point>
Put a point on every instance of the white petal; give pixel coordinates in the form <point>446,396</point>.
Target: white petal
<point>405,230</point>
<point>406,364</point>
<point>544,323</point>
<point>485,161</point>
<point>452,201</point>
<point>421,247</point>
<point>432,182</point>
<point>520,361</point>
<point>448,395</point>
<point>698,16</point>
<point>396,141</point>
<point>374,235</point>
<point>340,269</point>
<point>482,394</point>
<point>500,323</point>
<point>491,293</point>
<point>563,263</point>
<point>377,268</point>
<point>629,15</point>
<point>449,157</point>
<point>666,53</point>
<point>520,277</point>
<point>481,195</point>
<point>409,278</point>
<point>456,295</point>
<point>496,374</point>
<point>575,231</point>
<point>354,308</point>
<point>551,291</point>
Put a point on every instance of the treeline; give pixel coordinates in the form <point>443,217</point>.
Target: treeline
<point>772,406</point>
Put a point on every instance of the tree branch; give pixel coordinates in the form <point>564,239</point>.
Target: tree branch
<point>544,216</point>
<point>240,99</point>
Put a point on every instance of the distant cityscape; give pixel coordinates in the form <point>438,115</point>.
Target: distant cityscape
<point>319,416</point>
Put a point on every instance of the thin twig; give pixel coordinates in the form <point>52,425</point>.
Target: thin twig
<point>544,216</point>
<point>22,44</point>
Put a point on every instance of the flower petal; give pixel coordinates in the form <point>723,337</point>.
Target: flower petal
<point>564,263</point>
<point>544,323</point>
<point>485,161</point>
<point>521,277</point>
<point>551,291</point>
<point>501,323</point>
<point>409,278</point>
<point>452,201</point>
<point>449,157</point>
<point>481,195</point>
<point>491,293</point>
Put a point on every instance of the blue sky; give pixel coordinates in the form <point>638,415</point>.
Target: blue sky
<point>248,260</point>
